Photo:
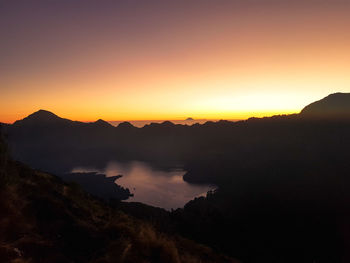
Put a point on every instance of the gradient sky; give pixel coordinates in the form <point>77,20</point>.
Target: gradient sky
<point>132,60</point>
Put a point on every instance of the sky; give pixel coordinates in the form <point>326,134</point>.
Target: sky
<point>166,59</point>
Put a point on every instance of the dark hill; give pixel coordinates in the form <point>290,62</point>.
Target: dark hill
<point>103,124</point>
<point>125,125</point>
<point>41,117</point>
<point>336,105</point>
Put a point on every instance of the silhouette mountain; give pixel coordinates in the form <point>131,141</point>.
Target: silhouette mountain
<point>167,124</point>
<point>42,118</point>
<point>335,105</point>
<point>42,115</point>
<point>164,124</point>
<point>125,125</point>
<point>283,181</point>
<point>102,123</point>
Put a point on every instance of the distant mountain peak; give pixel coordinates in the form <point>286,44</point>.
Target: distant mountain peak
<point>189,119</point>
<point>167,124</point>
<point>40,117</point>
<point>336,105</point>
<point>102,123</point>
<point>43,114</point>
<point>164,124</point>
<point>125,124</point>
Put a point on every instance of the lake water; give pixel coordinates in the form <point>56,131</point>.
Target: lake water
<point>151,186</point>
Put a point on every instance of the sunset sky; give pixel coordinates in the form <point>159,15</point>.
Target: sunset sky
<point>167,59</point>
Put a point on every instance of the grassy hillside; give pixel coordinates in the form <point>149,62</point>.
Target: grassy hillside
<point>46,220</point>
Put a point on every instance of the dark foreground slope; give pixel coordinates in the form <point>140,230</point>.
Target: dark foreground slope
<point>284,188</point>
<point>45,220</point>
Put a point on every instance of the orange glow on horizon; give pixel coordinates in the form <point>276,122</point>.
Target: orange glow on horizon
<point>210,61</point>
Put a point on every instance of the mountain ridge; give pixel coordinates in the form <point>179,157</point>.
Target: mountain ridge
<point>42,117</point>
<point>335,105</point>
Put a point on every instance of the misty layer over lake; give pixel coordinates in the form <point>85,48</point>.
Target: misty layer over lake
<point>151,186</point>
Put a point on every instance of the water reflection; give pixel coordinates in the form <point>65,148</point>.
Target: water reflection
<point>151,186</point>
